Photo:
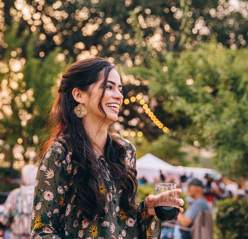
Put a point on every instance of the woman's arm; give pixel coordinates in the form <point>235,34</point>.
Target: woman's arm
<point>53,178</point>
<point>148,226</point>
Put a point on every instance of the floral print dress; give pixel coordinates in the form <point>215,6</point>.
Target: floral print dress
<point>55,213</point>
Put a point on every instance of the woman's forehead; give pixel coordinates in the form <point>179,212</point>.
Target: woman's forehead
<point>114,77</point>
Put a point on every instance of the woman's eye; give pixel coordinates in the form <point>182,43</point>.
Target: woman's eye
<point>109,87</point>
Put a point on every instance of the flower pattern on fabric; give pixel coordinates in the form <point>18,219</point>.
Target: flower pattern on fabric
<point>49,173</point>
<point>37,223</point>
<point>130,222</point>
<point>48,195</point>
<point>102,189</point>
<point>93,231</point>
<point>55,213</point>
<point>123,215</point>
<point>112,227</point>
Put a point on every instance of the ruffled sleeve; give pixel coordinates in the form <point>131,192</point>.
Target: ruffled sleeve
<point>147,228</point>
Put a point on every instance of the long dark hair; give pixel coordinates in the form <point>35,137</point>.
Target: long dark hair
<point>81,75</point>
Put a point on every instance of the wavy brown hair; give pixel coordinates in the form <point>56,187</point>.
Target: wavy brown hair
<point>81,75</point>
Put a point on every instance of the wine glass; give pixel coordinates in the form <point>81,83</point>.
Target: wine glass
<point>166,213</point>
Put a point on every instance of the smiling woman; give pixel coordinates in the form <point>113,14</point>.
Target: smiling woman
<point>86,183</point>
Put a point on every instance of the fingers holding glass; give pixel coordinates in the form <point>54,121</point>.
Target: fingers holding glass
<point>168,203</point>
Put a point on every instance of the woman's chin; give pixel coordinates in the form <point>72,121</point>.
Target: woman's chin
<point>112,118</point>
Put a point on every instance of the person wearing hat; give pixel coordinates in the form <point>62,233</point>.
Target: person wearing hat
<point>195,191</point>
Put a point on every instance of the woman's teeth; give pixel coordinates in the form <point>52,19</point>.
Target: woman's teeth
<point>113,105</point>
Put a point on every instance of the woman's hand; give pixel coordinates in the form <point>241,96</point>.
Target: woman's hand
<point>163,199</point>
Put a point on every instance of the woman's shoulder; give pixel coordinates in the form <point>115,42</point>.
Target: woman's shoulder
<point>125,143</point>
<point>59,147</point>
<point>130,157</point>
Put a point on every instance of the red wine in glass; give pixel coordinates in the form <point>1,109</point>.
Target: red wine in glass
<point>165,213</point>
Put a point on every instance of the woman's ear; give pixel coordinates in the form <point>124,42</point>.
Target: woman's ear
<point>78,95</point>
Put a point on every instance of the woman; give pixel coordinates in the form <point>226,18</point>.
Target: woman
<point>86,182</point>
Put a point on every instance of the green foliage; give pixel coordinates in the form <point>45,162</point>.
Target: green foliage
<point>232,219</point>
<point>211,111</point>
<point>27,84</point>
<point>209,87</point>
<point>106,27</point>
<point>5,181</point>
<point>165,148</point>
<point>4,173</point>
<point>203,92</point>
<point>143,191</point>
<point>7,187</point>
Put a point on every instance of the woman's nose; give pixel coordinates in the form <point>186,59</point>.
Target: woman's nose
<point>118,94</point>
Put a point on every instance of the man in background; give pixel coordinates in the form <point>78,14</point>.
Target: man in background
<point>195,191</point>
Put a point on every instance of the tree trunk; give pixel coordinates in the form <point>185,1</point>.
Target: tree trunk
<point>11,160</point>
<point>7,5</point>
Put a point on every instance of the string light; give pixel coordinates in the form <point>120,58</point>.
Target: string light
<point>153,118</point>
<point>139,96</point>
<point>19,140</point>
<point>166,130</point>
<point>150,114</point>
<point>126,101</point>
<point>133,134</point>
<point>125,133</point>
<point>133,99</point>
<point>145,106</point>
<point>148,111</point>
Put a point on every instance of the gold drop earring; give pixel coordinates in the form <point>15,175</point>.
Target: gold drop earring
<point>80,110</point>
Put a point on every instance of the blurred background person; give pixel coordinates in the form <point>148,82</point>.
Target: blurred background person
<point>195,191</point>
<point>197,203</point>
<point>162,177</point>
<point>17,209</point>
<point>240,193</point>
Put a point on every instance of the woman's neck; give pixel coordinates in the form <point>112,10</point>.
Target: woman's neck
<point>98,134</point>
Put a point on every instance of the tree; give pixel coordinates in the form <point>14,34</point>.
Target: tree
<point>107,28</point>
<point>103,27</point>
<point>206,88</point>
<point>26,93</point>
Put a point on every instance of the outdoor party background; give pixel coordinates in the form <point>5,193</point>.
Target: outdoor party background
<point>184,67</point>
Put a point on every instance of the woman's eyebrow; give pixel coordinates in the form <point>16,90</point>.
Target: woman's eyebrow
<point>112,82</point>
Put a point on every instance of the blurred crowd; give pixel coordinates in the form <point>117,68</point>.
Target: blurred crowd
<point>202,193</point>
<point>201,196</point>
<point>215,189</point>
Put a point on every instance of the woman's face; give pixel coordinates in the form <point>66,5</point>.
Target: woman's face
<point>111,101</point>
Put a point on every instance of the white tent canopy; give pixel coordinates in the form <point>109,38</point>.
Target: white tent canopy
<point>149,166</point>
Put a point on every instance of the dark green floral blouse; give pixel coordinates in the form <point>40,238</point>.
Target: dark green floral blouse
<point>55,214</point>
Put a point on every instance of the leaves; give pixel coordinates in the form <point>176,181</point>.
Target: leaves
<point>203,89</point>
<point>27,93</point>
<point>231,219</point>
